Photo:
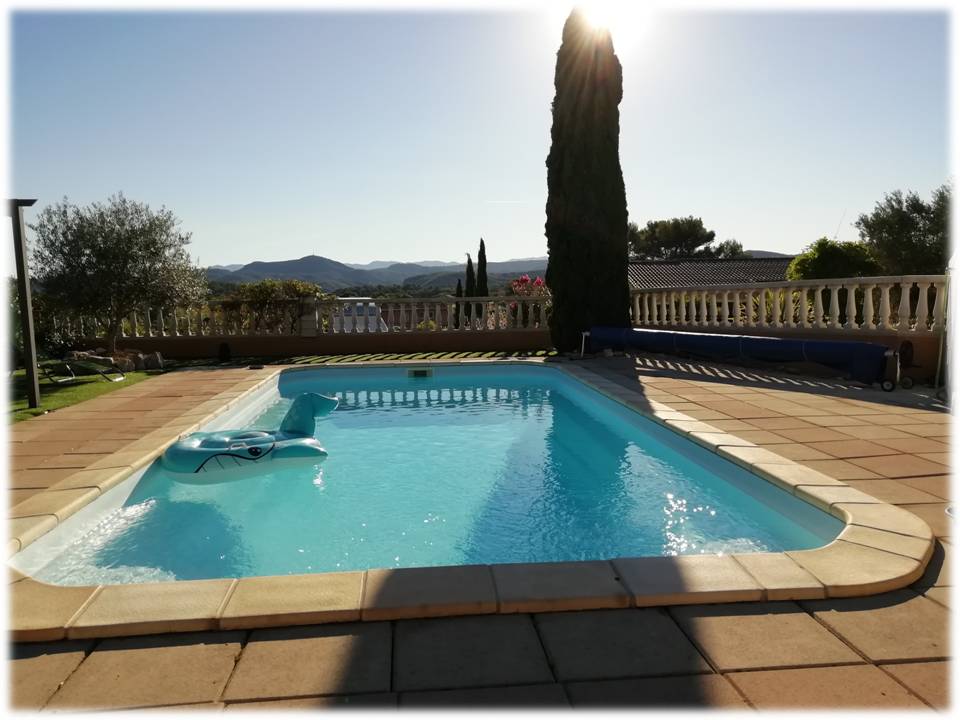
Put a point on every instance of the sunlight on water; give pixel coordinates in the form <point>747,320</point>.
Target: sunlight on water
<point>469,466</point>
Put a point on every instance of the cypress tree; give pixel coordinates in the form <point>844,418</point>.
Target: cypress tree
<point>482,289</point>
<point>471,285</point>
<point>586,224</point>
<point>456,306</point>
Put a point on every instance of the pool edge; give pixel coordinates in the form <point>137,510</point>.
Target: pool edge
<point>881,548</point>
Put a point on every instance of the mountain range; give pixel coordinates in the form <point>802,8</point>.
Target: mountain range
<point>332,275</point>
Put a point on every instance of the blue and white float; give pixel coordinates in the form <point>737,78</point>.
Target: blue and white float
<point>206,456</point>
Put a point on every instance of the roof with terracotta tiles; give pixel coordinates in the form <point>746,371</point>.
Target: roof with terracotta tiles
<point>657,274</point>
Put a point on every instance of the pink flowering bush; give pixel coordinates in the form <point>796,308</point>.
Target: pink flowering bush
<point>524,287</point>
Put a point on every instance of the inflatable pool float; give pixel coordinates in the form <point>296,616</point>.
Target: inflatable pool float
<point>207,456</point>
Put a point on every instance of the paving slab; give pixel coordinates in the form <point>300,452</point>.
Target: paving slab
<point>893,491</point>
<point>848,448</point>
<point>617,643</point>
<point>760,636</point>
<point>895,626</point>
<point>149,671</point>
<point>448,653</point>
<point>371,701</point>
<point>940,595</point>
<point>38,669</point>
<point>700,691</point>
<point>894,466</point>
<point>551,695</point>
<point>934,514</point>
<point>929,681</point>
<point>833,688</point>
<point>841,469</point>
<point>338,659</point>
<point>543,587</point>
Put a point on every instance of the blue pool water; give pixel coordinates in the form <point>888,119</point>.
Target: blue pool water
<point>471,465</point>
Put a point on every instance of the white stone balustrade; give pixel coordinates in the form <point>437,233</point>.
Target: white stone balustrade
<point>843,305</point>
<point>317,317</point>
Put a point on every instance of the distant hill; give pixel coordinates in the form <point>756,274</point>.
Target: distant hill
<point>332,275</point>
<point>379,264</point>
<point>228,268</point>
<point>767,254</point>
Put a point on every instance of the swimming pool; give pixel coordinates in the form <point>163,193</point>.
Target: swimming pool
<point>467,465</point>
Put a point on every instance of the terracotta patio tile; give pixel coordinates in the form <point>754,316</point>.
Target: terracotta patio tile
<point>871,432</point>
<point>703,691</point>
<point>732,426</point>
<point>897,419</point>
<point>856,686</point>
<point>851,448</point>
<point>809,435</point>
<point>339,658</point>
<point>895,466</point>
<point>797,452</point>
<point>44,448</point>
<point>601,644</point>
<point>938,457</point>
<point>738,636</point>
<point>893,491</point>
<point>930,681</point>
<point>551,695</point>
<point>139,672</point>
<point>705,414</point>
<point>840,469</point>
<point>835,420</point>
<point>927,430</point>
<point>465,652</point>
<point>22,479</point>
<point>934,514</point>
<point>428,592</point>
<point>38,669</point>
<point>899,625</point>
<point>780,423</point>
<point>912,444</point>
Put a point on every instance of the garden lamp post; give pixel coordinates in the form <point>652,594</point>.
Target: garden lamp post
<point>15,210</point>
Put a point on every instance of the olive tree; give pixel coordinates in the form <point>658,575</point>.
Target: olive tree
<point>106,260</point>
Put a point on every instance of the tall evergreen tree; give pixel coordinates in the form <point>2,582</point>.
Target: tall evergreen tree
<point>482,289</point>
<point>471,285</point>
<point>586,224</point>
<point>456,307</point>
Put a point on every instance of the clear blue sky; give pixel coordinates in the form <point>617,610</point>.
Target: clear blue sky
<point>408,136</point>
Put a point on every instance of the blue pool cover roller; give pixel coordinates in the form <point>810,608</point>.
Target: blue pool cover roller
<point>862,361</point>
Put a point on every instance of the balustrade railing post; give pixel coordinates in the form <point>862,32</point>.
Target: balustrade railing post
<point>868,323</point>
<point>703,309</point>
<point>851,311</point>
<point>922,309</point>
<point>939,307</point>
<point>835,306</point>
<point>903,312</point>
<point>885,319</point>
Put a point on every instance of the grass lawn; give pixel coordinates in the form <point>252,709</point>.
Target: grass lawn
<point>54,396</point>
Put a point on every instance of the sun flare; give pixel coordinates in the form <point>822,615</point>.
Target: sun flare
<point>626,21</point>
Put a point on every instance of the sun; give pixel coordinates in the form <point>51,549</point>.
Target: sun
<point>601,14</point>
<point>626,21</point>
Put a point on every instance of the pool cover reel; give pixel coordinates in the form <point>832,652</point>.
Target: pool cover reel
<point>862,361</point>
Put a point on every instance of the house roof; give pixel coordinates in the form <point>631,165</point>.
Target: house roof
<point>660,274</point>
